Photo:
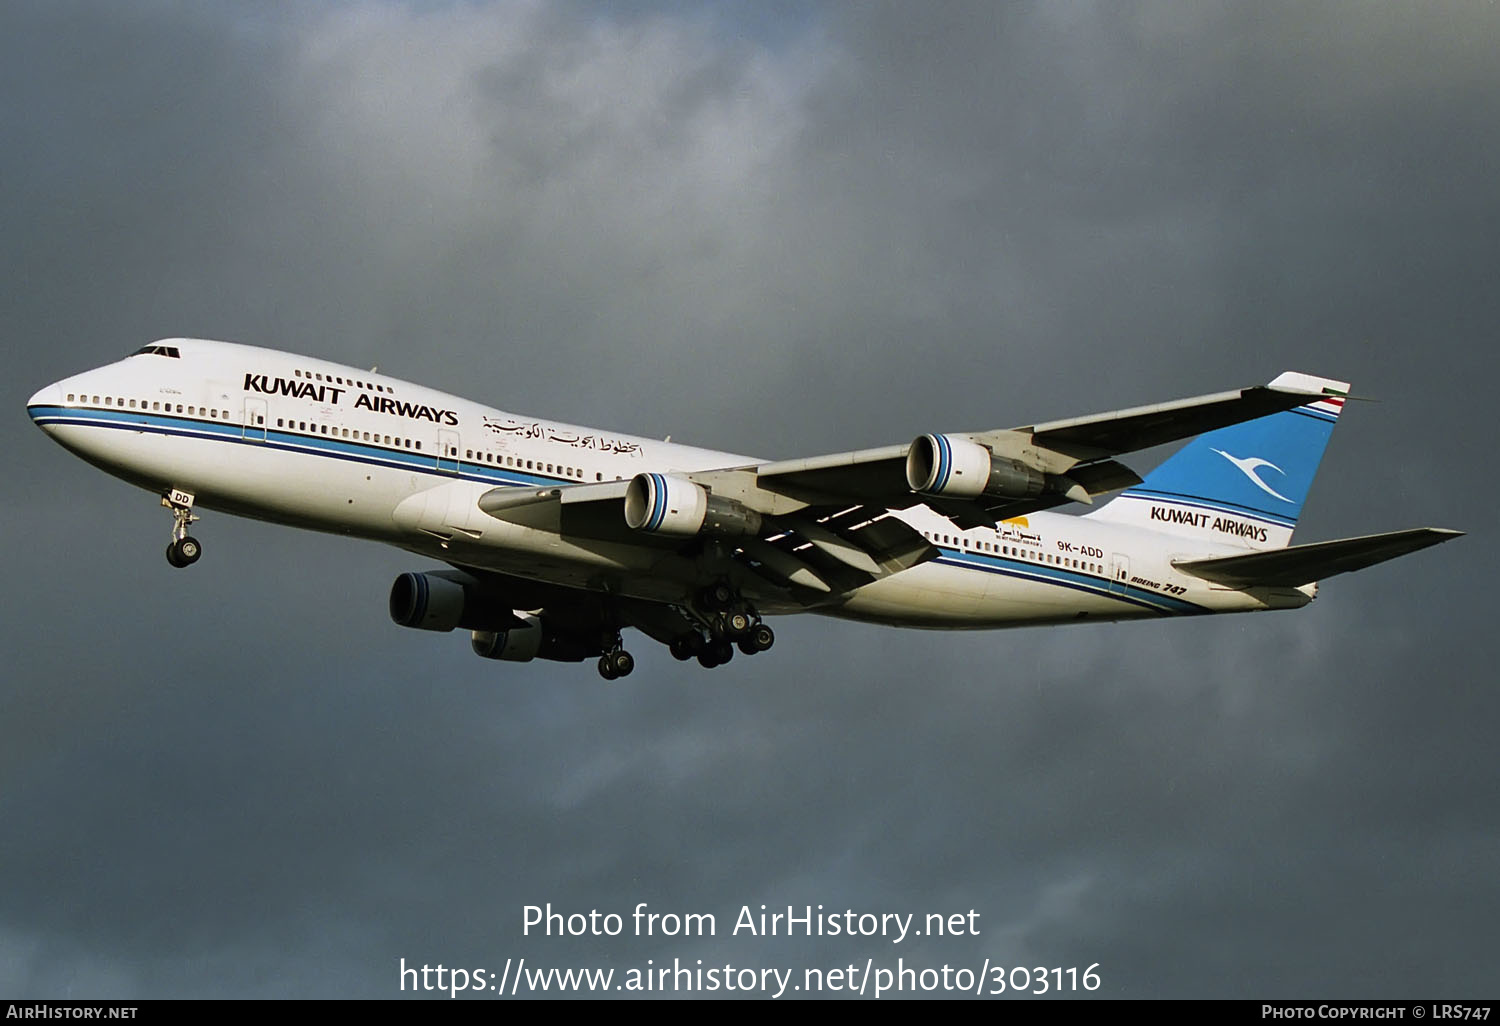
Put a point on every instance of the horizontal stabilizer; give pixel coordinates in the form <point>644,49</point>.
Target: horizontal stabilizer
<point>1302,564</point>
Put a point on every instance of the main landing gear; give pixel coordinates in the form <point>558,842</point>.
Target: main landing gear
<point>615,662</point>
<point>732,623</point>
<point>184,550</point>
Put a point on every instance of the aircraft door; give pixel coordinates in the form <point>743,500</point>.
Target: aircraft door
<point>447,460</point>
<point>255,420</point>
<point>1119,572</point>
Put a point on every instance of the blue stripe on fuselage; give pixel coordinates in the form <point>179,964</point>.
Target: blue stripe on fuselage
<point>285,441</point>
<point>1077,581</point>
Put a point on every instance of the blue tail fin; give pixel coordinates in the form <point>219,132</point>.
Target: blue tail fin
<point>1244,484</point>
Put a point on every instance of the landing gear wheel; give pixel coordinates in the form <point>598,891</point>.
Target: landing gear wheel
<point>738,623</point>
<point>686,646</point>
<point>607,667</point>
<point>762,637</point>
<point>717,596</point>
<point>188,550</point>
<point>716,653</point>
<point>622,662</point>
<point>184,552</point>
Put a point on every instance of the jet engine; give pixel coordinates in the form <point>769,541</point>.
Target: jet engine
<point>662,504</point>
<point>536,638</point>
<point>444,599</point>
<point>955,466</point>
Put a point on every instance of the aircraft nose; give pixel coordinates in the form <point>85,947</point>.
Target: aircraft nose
<point>46,397</point>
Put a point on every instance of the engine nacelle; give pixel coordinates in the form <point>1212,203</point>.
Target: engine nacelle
<point>662,504</point>
<point>444,599</point>
<point>515,644</point>
<point>956,466</point>
<point>536,638</point>
<point>427,602</point>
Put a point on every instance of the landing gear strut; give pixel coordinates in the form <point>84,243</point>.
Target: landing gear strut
<point>184,550</point>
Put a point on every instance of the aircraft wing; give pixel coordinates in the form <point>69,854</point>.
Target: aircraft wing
<point>1302,564</point>
<point>1075,454</point>
<point>807,554</point>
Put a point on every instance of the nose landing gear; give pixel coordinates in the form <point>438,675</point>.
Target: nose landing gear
<point>184,550</point>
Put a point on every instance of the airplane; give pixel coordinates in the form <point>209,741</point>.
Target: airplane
<point>558,537</point>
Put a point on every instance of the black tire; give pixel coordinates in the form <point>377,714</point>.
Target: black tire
<point>622,661</point>
<point>738,623</point>
<point>188,550</point>
<point>706,659</point>
<point>681,648</point>
<point>723,652</point>
<point>607,667</point>
<point>172,556</point>
<point>747,646</point>
<point>717,596</point>
<point>762,637</point>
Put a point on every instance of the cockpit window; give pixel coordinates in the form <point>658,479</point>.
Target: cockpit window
<point>158,351</point>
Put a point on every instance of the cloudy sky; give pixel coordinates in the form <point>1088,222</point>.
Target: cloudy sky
<point>786,229</point>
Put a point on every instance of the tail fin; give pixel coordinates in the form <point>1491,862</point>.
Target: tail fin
<point>1242,485</point>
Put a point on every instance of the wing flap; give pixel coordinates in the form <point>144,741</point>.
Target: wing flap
<point>1302,564</point>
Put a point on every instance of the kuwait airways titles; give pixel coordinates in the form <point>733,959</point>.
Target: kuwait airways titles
<point>329,394</point>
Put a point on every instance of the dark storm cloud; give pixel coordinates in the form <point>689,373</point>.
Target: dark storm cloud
<point>778,236</point>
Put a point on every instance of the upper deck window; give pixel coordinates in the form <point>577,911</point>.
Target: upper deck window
<point>158,351</point>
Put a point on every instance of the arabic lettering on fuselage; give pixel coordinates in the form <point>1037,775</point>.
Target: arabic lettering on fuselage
<point>1009,532</point>
<point>598,443</point>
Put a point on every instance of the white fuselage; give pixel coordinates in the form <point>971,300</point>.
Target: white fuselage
<point>313,444</point>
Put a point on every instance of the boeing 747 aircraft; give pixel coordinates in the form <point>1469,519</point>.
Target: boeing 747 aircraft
<point>558,537</point>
